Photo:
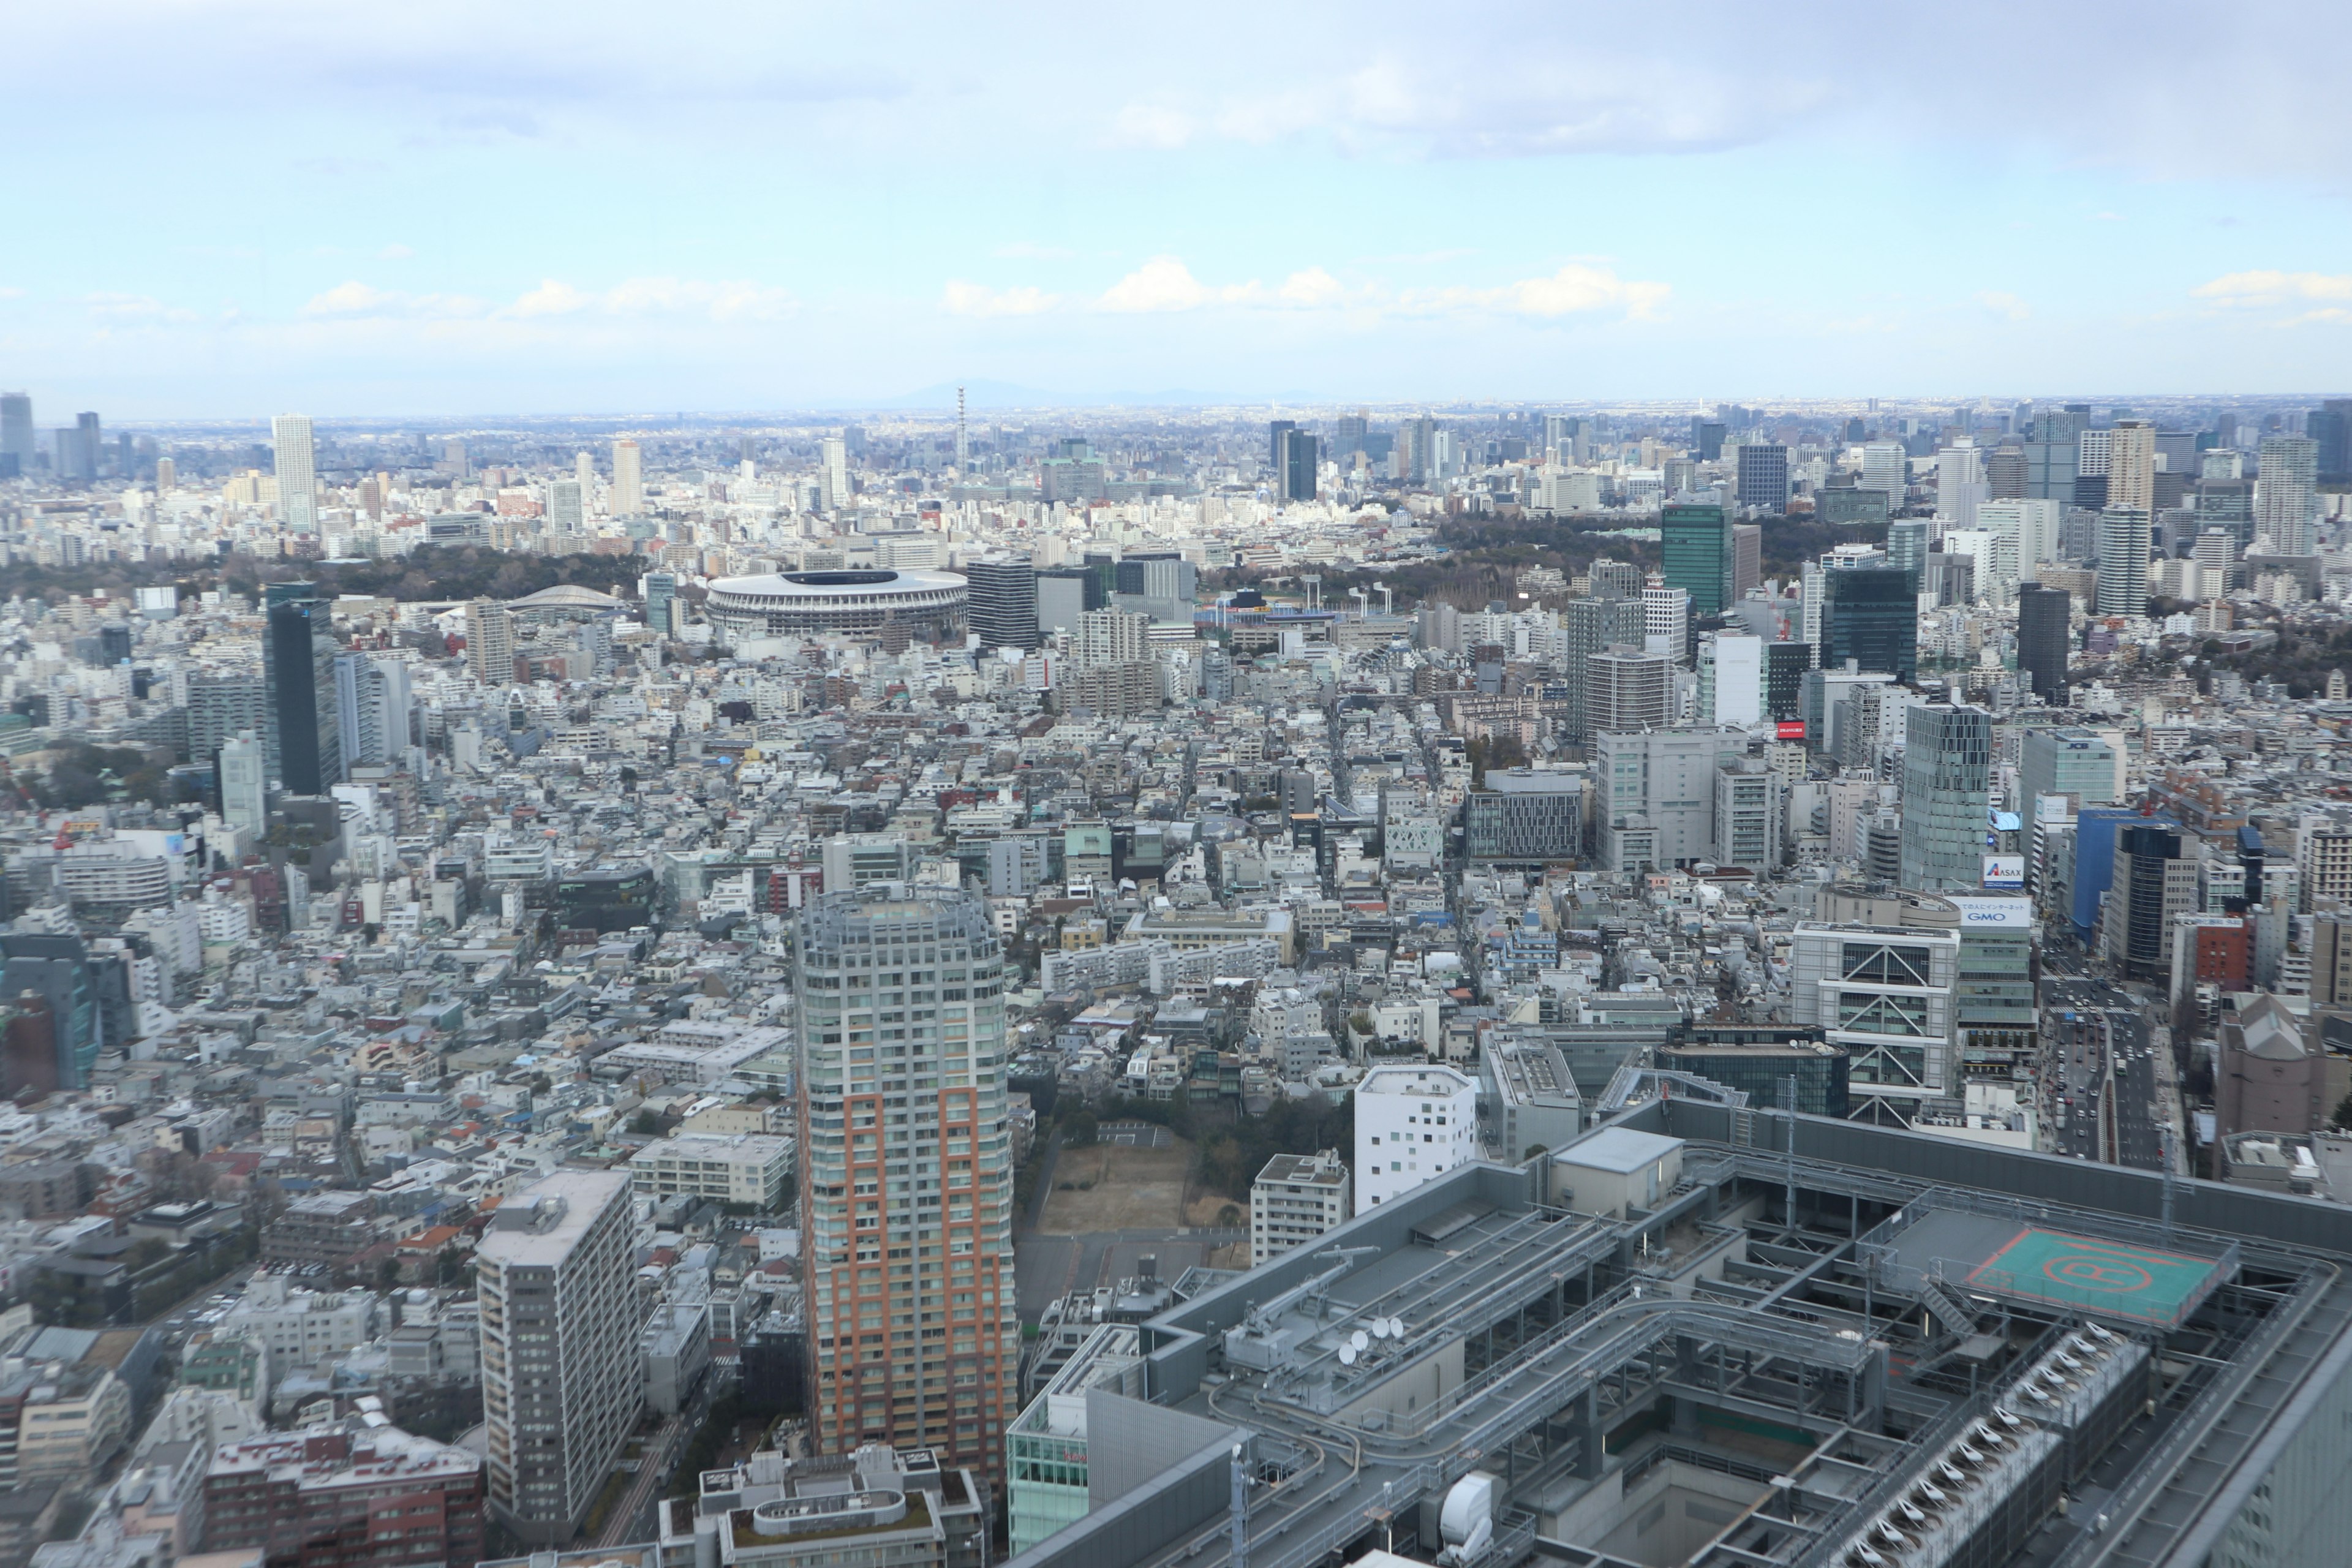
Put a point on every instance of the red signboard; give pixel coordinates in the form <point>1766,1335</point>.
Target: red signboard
<point>1791,729</point>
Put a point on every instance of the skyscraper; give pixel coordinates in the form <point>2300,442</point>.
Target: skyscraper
<point>2043,637</point>
<point>1300,464</point>
<point>1588,625</point>
<point>914,1335</point>
<point>566,506</point>
<point>298,477</point>
<point>2329,425</point>
<point>2122,561</point>
<point>1001,605</point>
<point>583,470</point>
<point>1946,785</point>
<point>372,707</point>
<point>16,437</point>
<point>1695,553</point>
<point>1959,483</point>
<point>489,643</point>
<point>1416,451</point>
<point>1764,475</point>
<point>305,740</point>
<point>628,479</point>
<point>561,1378</point>
<point>223,706</point>
<point>2286,493</point>
<point>660,589</point>
<point>1885,467</point>
<point>243,782</point>
<point>1871,615</point>
<point>1906,547</point>
<point>2131,465</point>
<point>1066,592</point>
<point>832,473</point>
<point>1628,690</point>
<point>1277,433</point>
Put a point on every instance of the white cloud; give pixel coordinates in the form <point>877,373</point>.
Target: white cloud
<point>718,302</point>
<point>9,293</point>
<point>1162,283</point>
<point>395,252</point>
<point>130,308</point>
<point>354,299</point>
<point>976,299</point>
<point>1578,289</point>
<point>2270,289</point>
<point>1028,250</point>
<point>2003,304</point>
<point>1312,287</point>
<point>1151,125</point>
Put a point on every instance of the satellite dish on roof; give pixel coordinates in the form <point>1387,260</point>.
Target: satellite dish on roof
<point>1346,1355</point>
<point>1379,1328</point>
<point>1357,1341</point>
<point>1396,1328</point>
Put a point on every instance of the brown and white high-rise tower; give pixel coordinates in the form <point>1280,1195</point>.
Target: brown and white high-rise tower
<point>628,479</point>
<point>914,1335</point>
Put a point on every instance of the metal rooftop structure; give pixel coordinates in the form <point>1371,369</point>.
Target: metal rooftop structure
<point>1828,1345</point>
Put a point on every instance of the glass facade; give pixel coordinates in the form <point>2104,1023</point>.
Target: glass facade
<point>1695,553</point>
<point>1871,616</point>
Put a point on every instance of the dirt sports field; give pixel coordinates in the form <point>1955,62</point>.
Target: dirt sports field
<point>1132,1179</point>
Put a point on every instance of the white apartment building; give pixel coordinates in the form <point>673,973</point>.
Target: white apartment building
<point>561,1377</point>
<point>1295,1199</point>
<point>302,1327</point>
<point>1412,1124</point>
<point>726,1168</point>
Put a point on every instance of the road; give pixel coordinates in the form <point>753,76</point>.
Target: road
<point>632,1518</point>
<point>2101,1075</point>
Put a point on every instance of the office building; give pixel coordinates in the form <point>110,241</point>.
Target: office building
<point>1415,453</point>
<point>660,591</point>
<point>2031,525</point>
<point>2131,465</point>
<point>1695,551</point>
<point>561,1380</point>
<point>1731,679</point>
<point>221,707</point>
<point>1885,996</point>
<point>1785,664</point>
<point>1002,603</point>
<point>298,477</point>
<point>2075,762</point>
<point>292,1497</point>
<point>1298,463</point>
<point>567,508</point>
<point>914,1336</point>
<point>305,736</point>
<point>1747,560</point>
<point>1656,793</point>
<point>1887,469</point>
<point>1108,637</point>
<point>1627,688</point>
<point>1277,432</point>
<point>628,496</point>
<point>1870,615</point>
<point>1412,1125</point>
<point>2043,638</point>
<point>2329,425</point>
<point>1666,621</point>
<point>1296,1198</point>
<point>1066,592</point>
<point>1588,627</point>
<point>748,1169</point>
<point>373,710</point>
<point>1946,785</point>
<point>1526,814</point>
<point>1906,547</point>
<point>243,772</point>
<point>2286,500</point>
<point>1749,809</point>
<point>2153,884</point>
<point>1959,483</point>
<point>2123,558</point>
<point>1763,479</point>
<point>489,643</point>
<point>18,444</point>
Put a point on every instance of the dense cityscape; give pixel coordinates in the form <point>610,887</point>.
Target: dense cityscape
<point>1477,984</point>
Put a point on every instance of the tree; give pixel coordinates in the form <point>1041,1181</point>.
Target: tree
<point>387,1273</point>
<point>2341,1117</point>
<point>644,1123</point>
<point>1080,1128</point>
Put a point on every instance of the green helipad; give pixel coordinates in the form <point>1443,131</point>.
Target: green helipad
<point>2101,1276</point>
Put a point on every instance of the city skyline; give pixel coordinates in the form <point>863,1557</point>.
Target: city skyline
<point>531,213</point>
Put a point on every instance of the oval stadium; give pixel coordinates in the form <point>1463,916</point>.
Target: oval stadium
<point>929,604</point>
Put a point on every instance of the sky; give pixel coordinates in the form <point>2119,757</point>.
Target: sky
<point>222,210</point>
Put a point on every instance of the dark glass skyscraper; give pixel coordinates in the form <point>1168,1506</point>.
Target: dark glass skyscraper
<point>1301,457</point>
<point>1003,604</point>
<point>1871,615</point>
<point>1785,664</point>
<point>306,752</point>
<point>1695,551</point>
<point>1278,431</point>
<point>1764,475</point>
<point>2042,636</point>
